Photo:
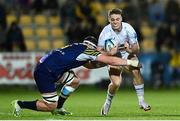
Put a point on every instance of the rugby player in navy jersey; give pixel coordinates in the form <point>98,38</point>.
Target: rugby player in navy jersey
<point>55,67</point>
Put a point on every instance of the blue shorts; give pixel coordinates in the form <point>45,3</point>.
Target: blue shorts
<point>45,80</point>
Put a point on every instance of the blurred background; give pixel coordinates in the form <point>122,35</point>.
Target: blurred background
<point>29,28</point>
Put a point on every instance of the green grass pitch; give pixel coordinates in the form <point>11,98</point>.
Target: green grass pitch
<point>86,103</point>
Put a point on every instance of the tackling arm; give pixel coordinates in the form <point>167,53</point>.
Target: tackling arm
<point>112,52</point>
<point>94,64</point>
<point>115,61</point>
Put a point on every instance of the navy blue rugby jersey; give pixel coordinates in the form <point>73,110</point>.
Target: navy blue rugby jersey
<point>61,60</point>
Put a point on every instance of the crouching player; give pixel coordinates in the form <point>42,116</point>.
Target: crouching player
<point>55,67</point>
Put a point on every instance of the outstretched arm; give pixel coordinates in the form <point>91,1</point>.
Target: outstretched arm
<point>94,64</point>
<point>115,61</point>
<point>112,52</point>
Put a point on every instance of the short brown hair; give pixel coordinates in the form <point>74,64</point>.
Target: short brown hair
<point>115,11</point>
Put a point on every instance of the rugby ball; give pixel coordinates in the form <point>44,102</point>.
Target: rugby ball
<point>108,45</point>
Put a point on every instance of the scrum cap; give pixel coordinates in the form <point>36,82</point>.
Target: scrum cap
<point>91,40</point>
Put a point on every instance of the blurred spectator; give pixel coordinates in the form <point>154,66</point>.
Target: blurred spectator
<point>156,12</point>
<point>10,5</point>
<point>3,22</point>
<point>52,6</point>
<point>157,74</point>
<point>15,38</point>
<point>38,6</point>
<point>95,30</point>
<point>2,39</point>
<point>104,1</point>
<point>130,12</point>
<point>67,15</point>
<point>163,37</point>
<point>83,10</point>
<point>24,5</point>
<point>161,72</point>
<point>143,5</point>
<point>175,30</point>
<point>175,66</point>
<point>172,11</point>
<point>136,27</point>
<point>178,36</point>
<point>76,31</point>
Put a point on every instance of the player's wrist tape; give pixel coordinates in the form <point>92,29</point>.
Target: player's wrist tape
<point>133,63</point>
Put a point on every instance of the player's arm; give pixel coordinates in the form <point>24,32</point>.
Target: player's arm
<point>134,49</point>
<point>94,64</point>
<point>132,46</point>
<point>94,55</point>
<point>115,61</point>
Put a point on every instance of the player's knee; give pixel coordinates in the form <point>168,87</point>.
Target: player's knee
<point>70,78</point>
<point>75,82</point>
<point>116,81</point>
<point>116,84</point>
<point>136,72</point>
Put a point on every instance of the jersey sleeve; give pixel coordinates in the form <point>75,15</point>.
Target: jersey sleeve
<point>88,54</point>
<point>102,38</point>
<point>131,33</point>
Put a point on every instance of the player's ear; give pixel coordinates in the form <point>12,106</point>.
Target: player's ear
<point>121,18</point>
<point>109,19</point>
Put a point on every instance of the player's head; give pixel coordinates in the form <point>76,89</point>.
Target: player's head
<point>91,40</point>
<point>115,18</point>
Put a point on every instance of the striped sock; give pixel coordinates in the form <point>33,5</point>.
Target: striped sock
<point>140,92</point>
<point>65,92</point>
<point>109,98</point>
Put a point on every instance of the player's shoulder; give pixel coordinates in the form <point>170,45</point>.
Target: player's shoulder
<point>106,31</point>
<point>73,46</point>
<point>91,52</point>
<point>127,27</point>
<point>107,28</point>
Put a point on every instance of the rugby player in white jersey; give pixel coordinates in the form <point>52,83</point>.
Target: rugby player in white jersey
<point>124,37</point>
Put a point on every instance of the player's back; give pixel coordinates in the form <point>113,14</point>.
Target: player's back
<point>61,60</point>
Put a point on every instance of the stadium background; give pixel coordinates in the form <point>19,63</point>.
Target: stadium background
<point>49,24</point>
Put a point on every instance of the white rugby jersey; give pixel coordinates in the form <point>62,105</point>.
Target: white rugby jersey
<point>127,33</point>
